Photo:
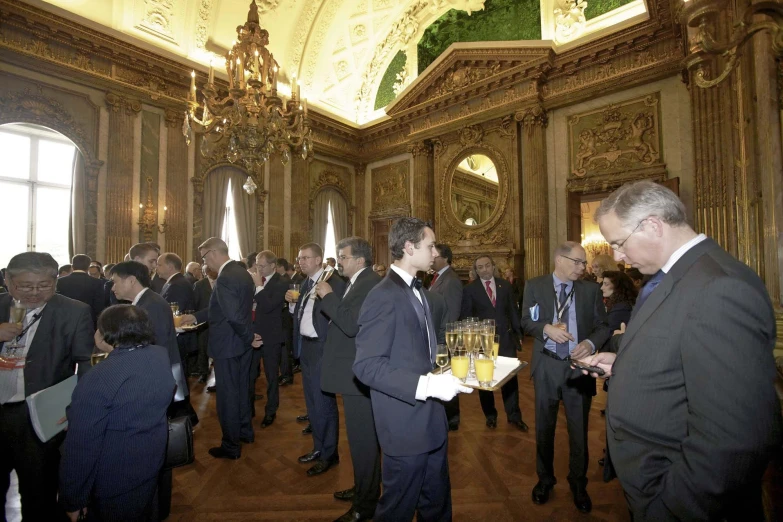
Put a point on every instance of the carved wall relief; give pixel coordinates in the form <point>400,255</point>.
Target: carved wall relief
<point>390,189</point>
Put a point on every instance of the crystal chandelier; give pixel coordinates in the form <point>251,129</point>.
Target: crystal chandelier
<point>252,122</point>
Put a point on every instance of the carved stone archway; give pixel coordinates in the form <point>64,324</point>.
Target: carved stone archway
<point>35,108</point>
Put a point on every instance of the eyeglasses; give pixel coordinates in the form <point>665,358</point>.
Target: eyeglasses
<point>37,288</point>
<point>343,258</point>
<point>204,257</point>
<point>577,261</point>
<point>304,258</point>
<point>617,246</point>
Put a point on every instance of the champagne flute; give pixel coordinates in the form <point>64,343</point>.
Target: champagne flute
<point>460,362</point>
<point>452,331</point>
<point>442,356</point>
<point>18,312</point>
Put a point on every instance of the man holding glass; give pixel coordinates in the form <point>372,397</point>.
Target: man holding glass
<point>54,336</point>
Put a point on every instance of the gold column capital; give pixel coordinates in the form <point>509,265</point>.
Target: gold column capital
<point>117,102</point>
<point>420,148</point>
<point>532,116</point>
<point>174,118</point>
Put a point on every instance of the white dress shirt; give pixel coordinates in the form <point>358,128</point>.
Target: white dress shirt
<point>138,296</point>
<point>353,280</point>
<point>223,266</point>
<point>306,326</point>
<point>681,252</point>
<point>492,286</point>
<point>15,378</point>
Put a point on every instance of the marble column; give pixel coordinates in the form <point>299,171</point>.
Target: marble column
<point>300,205</point>
<point>360,215</point>
<point>91,170</point>
<point>176,186</point>
<point>423,180</point>
<point>534,186</point>
<point>123,112</point>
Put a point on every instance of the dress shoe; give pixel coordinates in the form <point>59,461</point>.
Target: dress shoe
<point>352,516</point>
<point>603,413</point>
<point>322,466</point>
<point>303,418</point>
<point>309,457</point>
<point>246,440</point>
<point>220,453</point>
<point>308,430</point>
<point>541,493</point>
<point>519,424</point>
<point>202,379</point>
<point>453,426</point>
<point>296,369</point>
<point>492,423</point>
<point>346,494</point>
<point>211,389</point>
<point>582,500</point>
<point>601,461</point>
<point>258,397</point>
<point>283,381</point>
<point>268,420</point>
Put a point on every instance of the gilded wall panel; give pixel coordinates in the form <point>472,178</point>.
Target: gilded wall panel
<point>276,215</point>
<point>150,167</point>
<point>390,188</point>
<point>176,187</point>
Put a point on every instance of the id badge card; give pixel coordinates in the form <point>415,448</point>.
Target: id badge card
<point>12,358</point>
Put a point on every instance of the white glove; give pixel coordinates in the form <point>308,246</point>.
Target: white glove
<point>445,387</point>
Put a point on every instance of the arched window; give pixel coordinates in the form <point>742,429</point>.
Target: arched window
<point>229,212</point>
<point>229,233</point>
<point>35,181</point>
<point>330,220</point>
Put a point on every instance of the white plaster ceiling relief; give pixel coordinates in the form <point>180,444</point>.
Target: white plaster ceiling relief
<point>156,17</point>
<point>569,20</point>
<point>267,5</point>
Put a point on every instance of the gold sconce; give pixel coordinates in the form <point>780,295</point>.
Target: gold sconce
<point>702,17</point>
<point>148,215</point>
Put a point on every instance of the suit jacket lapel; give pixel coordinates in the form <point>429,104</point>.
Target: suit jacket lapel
<point>417,306</point>
<point>43,336</point>
<point>547,307</point>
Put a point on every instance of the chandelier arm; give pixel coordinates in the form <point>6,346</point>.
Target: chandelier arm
<point>699,75</point>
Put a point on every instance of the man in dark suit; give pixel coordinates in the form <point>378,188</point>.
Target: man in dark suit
<point>178,289</point>
<point>310,326</point>
<point>567,319</point>
<point>57,334</point>
<point>193,273</point>
<point>517,284</point>
<point>692,416</point>
<point>269,301</point>
<point>231,340</point>
<point>489,297</point>
<point>395,354</point>
<point>286,349</point>
<point>202,291</point>
<point>354,256</point>
<point>446,283</point>
<point>80,286</point>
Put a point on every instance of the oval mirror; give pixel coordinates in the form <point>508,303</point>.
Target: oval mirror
<point>474,190</point>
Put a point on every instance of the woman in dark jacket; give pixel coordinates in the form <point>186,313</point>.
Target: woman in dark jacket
<point>117,426</point>
<point>619,296</point>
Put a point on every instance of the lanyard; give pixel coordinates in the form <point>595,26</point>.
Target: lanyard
<point>31,323</point>
<point>560,309</point>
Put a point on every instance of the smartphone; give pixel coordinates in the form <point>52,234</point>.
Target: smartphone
<point>582,366</point>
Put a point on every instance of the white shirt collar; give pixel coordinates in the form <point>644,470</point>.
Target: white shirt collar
<point>681,252</point>
<point>79,271</point>
<point>403,274</point>
<point>353,279</point>
<point>440,272</point>
<point>172,275</point>
<point>138,296</point>
<point>317,275</point>
<point>223,266</point>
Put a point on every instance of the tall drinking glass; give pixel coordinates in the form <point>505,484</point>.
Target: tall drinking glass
<point>442,356</point>
<point>294,288</point>
<point>18,311</point>
<point>460,362</point>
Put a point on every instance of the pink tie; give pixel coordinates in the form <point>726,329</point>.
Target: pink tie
<point>489,292</point>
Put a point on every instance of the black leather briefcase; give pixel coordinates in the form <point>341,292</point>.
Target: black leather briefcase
<point>179,451</point>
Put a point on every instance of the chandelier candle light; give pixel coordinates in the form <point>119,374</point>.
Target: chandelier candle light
<point>252,122</point>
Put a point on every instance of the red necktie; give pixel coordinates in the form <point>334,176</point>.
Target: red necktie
<point>434,278</point>
<point>263,281</point>
<point>489,292</point>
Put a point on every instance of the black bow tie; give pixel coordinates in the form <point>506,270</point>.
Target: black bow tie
<point>416,283</point>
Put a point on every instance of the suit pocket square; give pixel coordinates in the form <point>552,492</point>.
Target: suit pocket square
<point>534,312</point>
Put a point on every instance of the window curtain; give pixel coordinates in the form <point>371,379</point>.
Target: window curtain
<point>339,215</point>
<point>77,242</point>
<point>215,191</point>
<point>244,213</point>
<point>320,217</point>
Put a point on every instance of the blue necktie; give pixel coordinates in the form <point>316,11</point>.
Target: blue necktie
<point>562,348</point>
<point>649,287</point>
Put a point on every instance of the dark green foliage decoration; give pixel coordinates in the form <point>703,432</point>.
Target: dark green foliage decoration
<point>500,20</point>
<point>596,8</point>
<point>385,94</point>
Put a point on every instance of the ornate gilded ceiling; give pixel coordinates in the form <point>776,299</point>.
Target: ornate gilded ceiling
<point>340,49</point>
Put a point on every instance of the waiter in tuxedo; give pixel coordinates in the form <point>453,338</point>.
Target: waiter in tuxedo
<point>178,289</point>
<point>268,323</point>
<point>81,286</point>
<point>692,417</point>
<point>231,340</point>
<point>57,334</point>
<point>567,319</point>
<point>354,256</point>
<point>395,354</point>
<point>489,297</point>
<point>310,326</point>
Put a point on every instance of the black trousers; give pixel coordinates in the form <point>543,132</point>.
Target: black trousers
<point>270,354</point>
<point>365,453</point>
<point>510,393</point>
<point>36,464</point>
<point>233,405</point>
<point>452,410</point>
<point>555,381</point>
<point>287,355</point>
<point>417,484</point>
<point>321,406</point>
<point>203,358</point>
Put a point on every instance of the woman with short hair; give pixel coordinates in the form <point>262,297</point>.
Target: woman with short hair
<point>117,427</point>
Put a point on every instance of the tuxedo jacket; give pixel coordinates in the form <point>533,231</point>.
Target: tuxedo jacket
<point>320,320</point>
<point>85,288</point>
<point>269,310</point>
<point>476,303</point>
<point>394,347</point>
<point>692,416</point>
<point>449,286</point>
<point>64,339</point>
<point>340,349</point>
<point>230,313</point>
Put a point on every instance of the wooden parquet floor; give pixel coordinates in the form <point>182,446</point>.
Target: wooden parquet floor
<point>492,471</point>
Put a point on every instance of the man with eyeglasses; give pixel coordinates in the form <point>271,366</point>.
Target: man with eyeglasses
<point>268,323</point>
<point>56,335</point>
<point>567,319</point>
<point>310,328</point>
<point>692,416</point>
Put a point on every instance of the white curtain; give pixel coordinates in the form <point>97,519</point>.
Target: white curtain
<point>321,217</point>
<point>339,215</point>
<point>77,243</point>
<point>215,191</point>
<point>244,213</point>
